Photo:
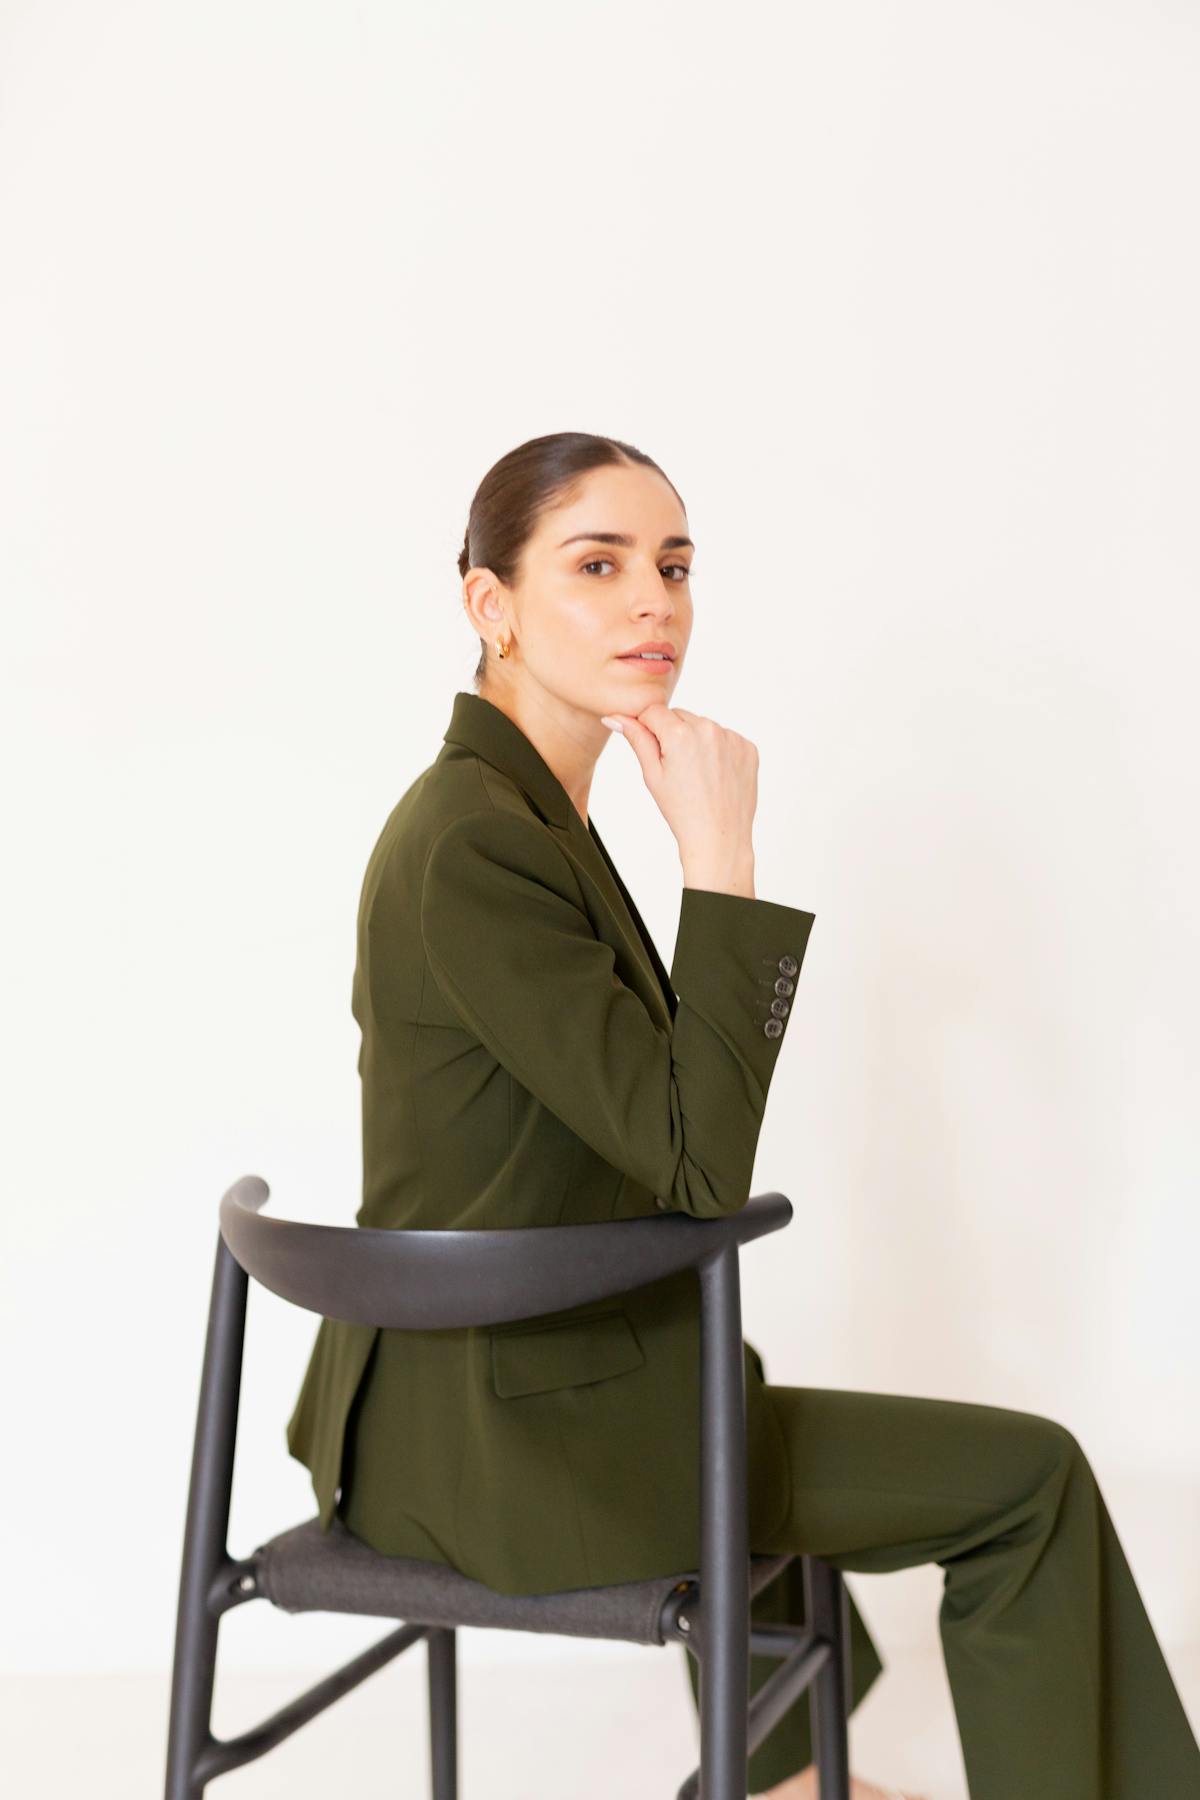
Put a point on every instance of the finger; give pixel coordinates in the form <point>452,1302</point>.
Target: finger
<point>644,743</point>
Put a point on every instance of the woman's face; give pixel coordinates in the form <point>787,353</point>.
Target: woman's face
<point>583,600</point>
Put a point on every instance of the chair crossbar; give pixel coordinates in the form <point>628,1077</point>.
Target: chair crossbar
<point>219,1755</point>
<point>804,1653</point>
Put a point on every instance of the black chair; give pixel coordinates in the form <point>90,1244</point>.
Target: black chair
<point>415,1280</point>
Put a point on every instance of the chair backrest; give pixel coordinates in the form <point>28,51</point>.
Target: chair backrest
<point>415,1280</point>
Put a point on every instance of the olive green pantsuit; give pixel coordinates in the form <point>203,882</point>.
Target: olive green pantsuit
<point>1060,1687</point>
<point>527,1060</point>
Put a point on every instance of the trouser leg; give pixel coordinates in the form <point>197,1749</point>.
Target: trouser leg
<point>1060,1687</point>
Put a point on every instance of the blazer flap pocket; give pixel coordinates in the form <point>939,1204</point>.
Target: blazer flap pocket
<point>564,1355</point>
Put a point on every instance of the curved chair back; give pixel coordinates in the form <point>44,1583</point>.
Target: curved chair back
<point>423,1280</point>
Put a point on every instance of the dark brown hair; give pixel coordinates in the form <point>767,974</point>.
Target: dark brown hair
<point>529,481</point>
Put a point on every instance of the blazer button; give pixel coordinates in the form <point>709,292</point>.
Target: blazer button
<point>780,1008</point>
<point>773,1027</point>
<point>788,965</point>
<point>784,986</point>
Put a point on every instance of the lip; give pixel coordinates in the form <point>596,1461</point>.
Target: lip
<point>660,644</point>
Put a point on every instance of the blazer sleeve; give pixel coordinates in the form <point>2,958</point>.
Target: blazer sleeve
<point>515,956</point>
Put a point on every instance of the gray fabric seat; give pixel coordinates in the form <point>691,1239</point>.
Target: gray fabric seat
<point>306,1569</point>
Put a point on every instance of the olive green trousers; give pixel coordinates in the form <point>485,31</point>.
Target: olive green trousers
<point>1060,1687</point>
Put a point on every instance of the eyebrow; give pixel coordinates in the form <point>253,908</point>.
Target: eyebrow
<point>622,537</point>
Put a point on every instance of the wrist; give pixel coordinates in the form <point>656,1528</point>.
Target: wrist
<point>721,875</point>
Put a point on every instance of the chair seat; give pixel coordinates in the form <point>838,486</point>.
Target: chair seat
<point>306,1569</point>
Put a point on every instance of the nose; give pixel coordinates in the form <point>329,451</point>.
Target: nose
<point>652,599</point>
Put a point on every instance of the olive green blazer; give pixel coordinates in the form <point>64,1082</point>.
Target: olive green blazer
<point>526,1060</point>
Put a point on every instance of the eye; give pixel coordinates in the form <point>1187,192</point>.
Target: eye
<point>684,568</point>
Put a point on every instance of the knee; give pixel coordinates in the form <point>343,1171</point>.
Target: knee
<point>1061,1443</point>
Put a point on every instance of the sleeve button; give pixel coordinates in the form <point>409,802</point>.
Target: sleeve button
<point>784,986</point>
<point>788,965</point>
<point>780,1008</point>
<point>773,1027</point>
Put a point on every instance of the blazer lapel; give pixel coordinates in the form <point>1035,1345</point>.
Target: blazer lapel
<point>480,726</point>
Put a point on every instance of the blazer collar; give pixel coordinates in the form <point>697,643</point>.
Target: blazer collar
<point>479,726</point>
<point>482,728</point>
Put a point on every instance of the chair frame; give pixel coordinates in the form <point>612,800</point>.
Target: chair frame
<point>412,1280</point>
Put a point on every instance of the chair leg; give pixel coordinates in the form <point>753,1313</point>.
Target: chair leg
<point>204,1549</point>
<point>724,1544</point>
<point>827,1605</point>
<point>191,1700</point>
<point>443,1713</point>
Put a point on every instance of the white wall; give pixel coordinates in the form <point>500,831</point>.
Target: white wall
<point>904,300</point>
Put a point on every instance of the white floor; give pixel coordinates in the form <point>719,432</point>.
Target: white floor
<point>586,1723</point>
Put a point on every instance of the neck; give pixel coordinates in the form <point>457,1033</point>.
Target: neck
<point>567,739</point>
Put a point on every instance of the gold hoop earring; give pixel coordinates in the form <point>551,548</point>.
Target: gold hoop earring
<point>502,648</point>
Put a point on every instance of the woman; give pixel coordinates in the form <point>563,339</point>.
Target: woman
<point>527,1060</point>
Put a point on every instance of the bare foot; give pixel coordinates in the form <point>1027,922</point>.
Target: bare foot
<point>804,1787</point>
